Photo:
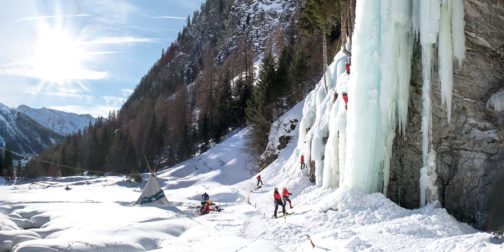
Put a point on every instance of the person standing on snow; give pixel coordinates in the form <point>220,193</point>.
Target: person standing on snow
<point>278,201</point>
<point>285,195</point>
<point>259,181</point>
<point>205,197</point>
<point>302,162</point>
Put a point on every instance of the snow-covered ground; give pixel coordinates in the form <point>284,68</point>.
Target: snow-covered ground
<point>98,213</point>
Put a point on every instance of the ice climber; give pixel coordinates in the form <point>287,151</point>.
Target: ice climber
<point>347,68</point>
<point>302,162</point>
<point>285,195</point>
<point>259,181</point>
<point>278,201</point>
<point>345,98</point>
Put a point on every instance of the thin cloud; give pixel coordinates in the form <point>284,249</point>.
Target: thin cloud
<point>34,18</point>
<point>70,95</point>
<point>170,17</point>
<point>102,53</point>
<point>119,40</point>
<point>29,71</point>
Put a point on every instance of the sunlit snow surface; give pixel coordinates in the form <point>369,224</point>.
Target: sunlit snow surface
<point>98,214</point>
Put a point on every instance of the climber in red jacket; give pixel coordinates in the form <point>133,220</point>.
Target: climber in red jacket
<point>302,162</point>
<point>345,98</point>
<point>278,201</point>
<point>285,195</point>
<point>259,181</point>
<point>347,68</point>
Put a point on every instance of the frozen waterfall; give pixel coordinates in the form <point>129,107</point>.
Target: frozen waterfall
<point>352,148</point>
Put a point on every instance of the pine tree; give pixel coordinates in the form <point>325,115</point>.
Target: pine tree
<point>224,109</point>
<point>259,111</point>
<point>2,173</point>
<point>242,92</point>
<point>298,76</point>
<point>319,16</point>
<point>7,164</point>
<point>283,82</point>
<point>130,160</point>
<point>203,131</point>
<point>19,170</point>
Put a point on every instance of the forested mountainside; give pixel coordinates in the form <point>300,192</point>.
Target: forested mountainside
<point>21,134</point>
<point>200,88</point>
<point>63,123</point>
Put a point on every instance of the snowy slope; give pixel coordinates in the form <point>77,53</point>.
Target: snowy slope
<point>98,214</point>
<point>23,134</point>
<point>63,123</point>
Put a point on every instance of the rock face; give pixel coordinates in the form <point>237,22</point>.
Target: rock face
<point>469,149</point>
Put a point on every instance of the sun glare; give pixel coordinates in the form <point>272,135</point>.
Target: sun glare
<point>59,57</point>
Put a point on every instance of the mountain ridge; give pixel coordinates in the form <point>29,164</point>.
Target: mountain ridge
<point>22,134</point>
<point>63,123</point>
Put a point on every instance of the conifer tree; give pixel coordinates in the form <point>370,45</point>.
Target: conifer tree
<point>259,112</point>
<point>224,109</point>
<point>1,163</point>
<point>19,169</point>
<point>298,76</point>
<point>319,16</point>
<point>7,164</point>
<point>242,92</point>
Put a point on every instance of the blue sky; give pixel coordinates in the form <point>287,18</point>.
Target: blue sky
<point>82,56</point>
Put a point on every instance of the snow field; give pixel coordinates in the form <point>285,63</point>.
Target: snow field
<point>97,214</point>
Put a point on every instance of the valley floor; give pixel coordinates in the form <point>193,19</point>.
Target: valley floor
<point>98,213</point>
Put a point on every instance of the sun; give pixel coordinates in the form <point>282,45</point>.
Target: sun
<point>59,57</point>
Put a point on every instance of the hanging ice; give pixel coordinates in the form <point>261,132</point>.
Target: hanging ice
<point>379,90</point>
<point>353,148</point>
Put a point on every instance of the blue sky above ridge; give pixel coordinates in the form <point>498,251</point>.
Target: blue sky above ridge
<point>83,56</point>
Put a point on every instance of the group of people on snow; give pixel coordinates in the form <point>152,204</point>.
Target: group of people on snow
<point>278,200</point>
<point>207,205</point>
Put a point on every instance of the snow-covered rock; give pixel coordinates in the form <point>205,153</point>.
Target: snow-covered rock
<point>63,123</point>
<point>23,134</point>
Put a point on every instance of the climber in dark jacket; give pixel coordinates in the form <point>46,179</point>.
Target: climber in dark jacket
<point>205,197</point>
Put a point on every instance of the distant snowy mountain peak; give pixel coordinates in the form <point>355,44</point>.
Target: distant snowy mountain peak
<point>23,134</point>
<point>63,123</point>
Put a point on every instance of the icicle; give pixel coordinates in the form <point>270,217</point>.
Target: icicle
<point>379,91</point>
<point>364,114</point>
<point>429,28</point>
<point>458,31</point>
<point>445,55</point>
<point>428,192</point>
